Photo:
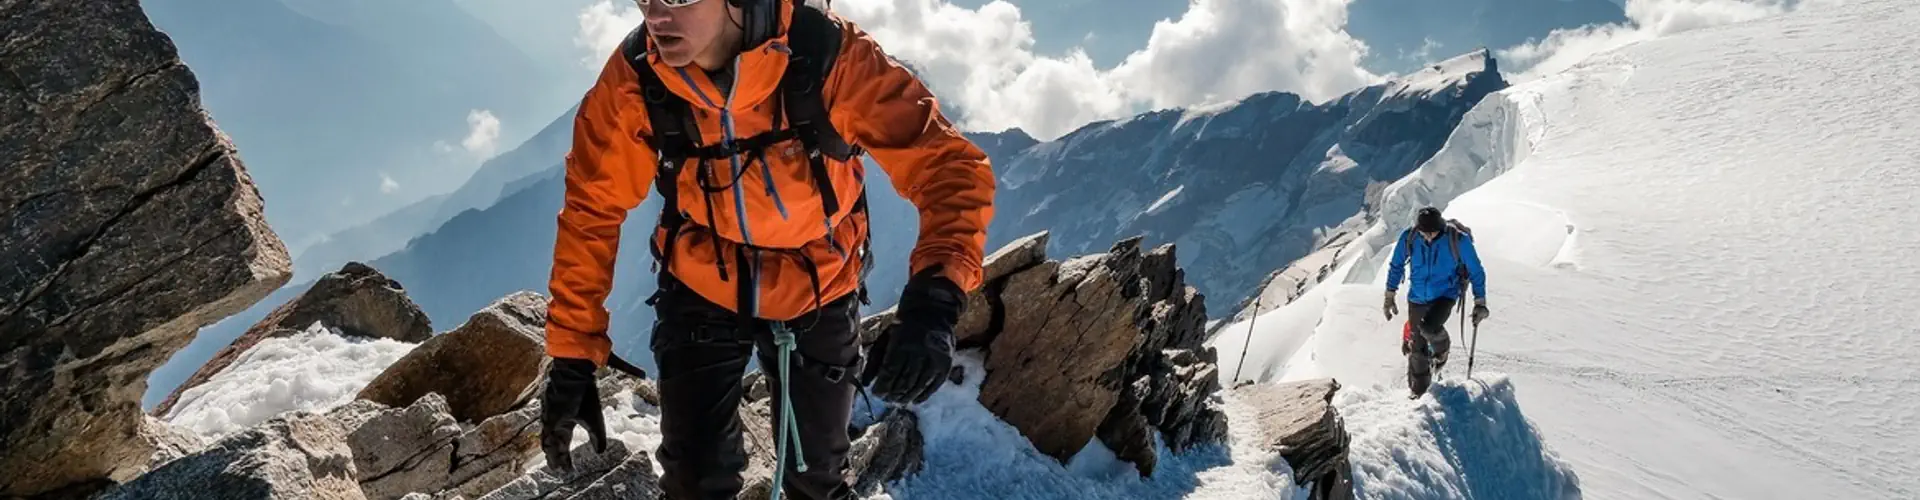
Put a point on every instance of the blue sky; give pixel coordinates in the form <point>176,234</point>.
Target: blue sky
<point>345,110</point>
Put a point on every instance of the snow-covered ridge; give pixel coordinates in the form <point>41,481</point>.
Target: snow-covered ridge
<point>1697,258</point>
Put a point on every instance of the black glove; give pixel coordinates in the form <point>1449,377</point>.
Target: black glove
<point>573,396</point>
<point>917,351</point>
<point>1392,307</point>
<point>1480,311</point>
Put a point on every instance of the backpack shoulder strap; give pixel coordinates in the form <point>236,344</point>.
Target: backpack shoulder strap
<point>814,39</point>
<point>672,128</point>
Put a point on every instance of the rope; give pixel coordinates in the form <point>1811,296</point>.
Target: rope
<point>789,429</point>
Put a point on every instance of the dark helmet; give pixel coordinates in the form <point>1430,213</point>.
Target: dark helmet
<point>1428,220</point>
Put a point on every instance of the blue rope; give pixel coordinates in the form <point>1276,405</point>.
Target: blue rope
<point>789,429</point>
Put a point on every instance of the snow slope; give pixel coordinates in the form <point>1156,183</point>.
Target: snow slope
<point>314,370</point>
<point>1699,257</point>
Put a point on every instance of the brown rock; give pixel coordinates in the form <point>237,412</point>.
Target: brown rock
<point>422,449</point>
<point>296,456</point>
<point>1054,369</point>
<point>979,322</point>
<point>356,300</point>
<point>1298,421</point>
<point>127,222</point>
<point>617,473</point>
<point>483,368</point>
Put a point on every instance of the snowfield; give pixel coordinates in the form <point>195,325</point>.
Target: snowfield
<point>1700,258</point>
<point>314,370</point>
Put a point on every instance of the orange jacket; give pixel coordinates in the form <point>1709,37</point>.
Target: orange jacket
<point>873,101</point>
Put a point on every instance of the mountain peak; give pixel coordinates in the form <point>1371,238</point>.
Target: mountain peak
<point>1454,72</point>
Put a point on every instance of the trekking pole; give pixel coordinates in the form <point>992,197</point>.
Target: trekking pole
<point>1260,294</point>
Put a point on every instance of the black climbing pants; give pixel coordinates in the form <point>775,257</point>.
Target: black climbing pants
<point>1429,341</point>
<point>702,352</point>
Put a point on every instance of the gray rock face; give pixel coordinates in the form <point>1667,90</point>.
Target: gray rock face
<point>1298,421</point>
<point>483,368</point>
<point>422,449</point>
<point>169,443</point>
<point>296,456</point>
<point>356,300</point>
<point>617,473</point>
<point>126,223</point>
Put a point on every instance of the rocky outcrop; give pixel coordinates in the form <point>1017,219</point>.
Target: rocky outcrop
<point>483,368</point>
<point>888,450</point>
<point>1113,342</point>
<point>619,473</point>
<point>356,301</point>
<point>1298,421</point>
<point>297,456</point>
<point>422,448</point>
<point>169,443</point>
<point>127,222</point>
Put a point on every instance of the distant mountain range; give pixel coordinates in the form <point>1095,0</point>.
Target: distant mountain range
<point>1242,188</point>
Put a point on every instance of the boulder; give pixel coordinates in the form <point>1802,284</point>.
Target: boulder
<point>1115,341</point>
<point>127,222</point>
<point>422,449</point>
<point>297,456</point>
<point>617,473</point>
<point>1297,420</point>
<point>483,368</point>
<point>357,301</point>
<point>980,320</point>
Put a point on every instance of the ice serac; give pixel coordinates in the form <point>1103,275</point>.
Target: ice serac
<point>1243,188</point>
<point>356,300</point>
<point>127,222</point>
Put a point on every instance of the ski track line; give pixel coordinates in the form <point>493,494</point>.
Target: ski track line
<point>1690,398</point>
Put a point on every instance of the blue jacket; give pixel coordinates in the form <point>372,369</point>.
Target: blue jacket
<point>1435,272</point>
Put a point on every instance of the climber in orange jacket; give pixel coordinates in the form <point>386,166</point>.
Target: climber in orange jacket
<point>749,118</point>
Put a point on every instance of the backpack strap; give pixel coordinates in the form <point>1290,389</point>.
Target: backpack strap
<point>671,121</point>
<point>815,42</point>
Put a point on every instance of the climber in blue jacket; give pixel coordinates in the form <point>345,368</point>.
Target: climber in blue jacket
<point>1443,262</point>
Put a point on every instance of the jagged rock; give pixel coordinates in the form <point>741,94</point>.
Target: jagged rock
<point>422,448</point>
<point>483,368</point>
<point>1178,397</point>
<point>1067,332</point>
<point>357,301</point>
<point>296,456</point>
<point>1298,421</point>
<point>617,473</point>
<point>1128,434</point>
<point>169,443</point>
<point>127,222</point>
<point>978,322</point>
<point>888,450</point>
<point>756,386</point>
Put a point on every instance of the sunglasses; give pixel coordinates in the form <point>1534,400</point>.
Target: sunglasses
<point>669,3</point>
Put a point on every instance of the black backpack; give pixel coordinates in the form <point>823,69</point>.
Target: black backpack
<point>814,41</point>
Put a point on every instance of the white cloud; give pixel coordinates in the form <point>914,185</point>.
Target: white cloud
<point>602,26</point>
<point>983,60</point>
<point>483,133</point>
<point>387,184</point>
<point>1646,20</point>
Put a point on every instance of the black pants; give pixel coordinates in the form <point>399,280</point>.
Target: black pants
<point>702,352</point>
<point>1429,342</point>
